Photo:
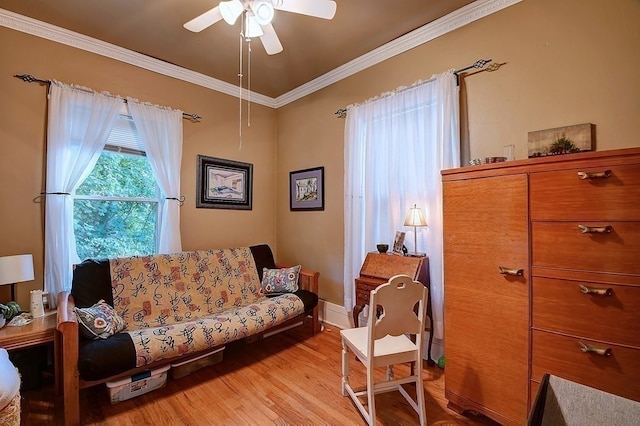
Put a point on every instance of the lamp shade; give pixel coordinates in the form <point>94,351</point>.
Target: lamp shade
<point>263,11</point>
<point>230,10</point>
<point>415,217</point>
<point>252,28</point>
<point>15,269</point>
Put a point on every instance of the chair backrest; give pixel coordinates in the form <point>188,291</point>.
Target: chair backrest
<point>398,299</point>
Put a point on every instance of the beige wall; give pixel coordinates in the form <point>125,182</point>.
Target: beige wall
<point>566,62</point>
<point>22,138</point>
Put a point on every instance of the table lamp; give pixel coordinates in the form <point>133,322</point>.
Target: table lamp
<point>415,218</point>
<point>16,269</point>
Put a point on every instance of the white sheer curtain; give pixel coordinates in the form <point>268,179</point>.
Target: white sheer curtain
<point>395,147</point>
<point>79,123</point>
<point>160,131</point>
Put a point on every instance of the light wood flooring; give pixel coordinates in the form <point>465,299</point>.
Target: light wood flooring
<point>288,379</point>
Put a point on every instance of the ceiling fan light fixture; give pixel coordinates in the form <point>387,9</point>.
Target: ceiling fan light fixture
<point>230,10</point>
<point>263,11</point>
<point>252,27</point>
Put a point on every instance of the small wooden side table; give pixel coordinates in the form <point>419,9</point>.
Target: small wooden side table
<point>41,331</point>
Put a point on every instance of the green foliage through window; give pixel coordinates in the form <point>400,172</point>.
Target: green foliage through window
<point>116,208</point>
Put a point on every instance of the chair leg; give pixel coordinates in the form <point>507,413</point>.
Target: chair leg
<point>345,368</point>
<point>420,395</point>
<point>371,394</point>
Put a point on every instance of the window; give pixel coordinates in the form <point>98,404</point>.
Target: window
<point>116,207</point>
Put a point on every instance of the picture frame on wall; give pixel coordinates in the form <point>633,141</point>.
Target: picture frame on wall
<point>306,189</point>
<point>224,184</point>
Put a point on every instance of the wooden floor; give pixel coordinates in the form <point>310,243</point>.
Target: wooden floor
<point>287,379</point>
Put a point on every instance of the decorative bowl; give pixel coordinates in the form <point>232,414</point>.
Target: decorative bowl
<point>382,248</point>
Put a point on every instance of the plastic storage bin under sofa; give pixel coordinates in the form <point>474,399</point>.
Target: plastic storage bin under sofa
<point>138,384</point>
<point>184,368</point>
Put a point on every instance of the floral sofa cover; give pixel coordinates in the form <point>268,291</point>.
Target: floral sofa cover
<point>170,307</point>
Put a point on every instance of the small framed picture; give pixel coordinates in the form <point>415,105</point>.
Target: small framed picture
<point>224,184</point>
<point>398,243</point>
<point>306,189</point>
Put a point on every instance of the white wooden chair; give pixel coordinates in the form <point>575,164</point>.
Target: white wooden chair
<point>387,338</point>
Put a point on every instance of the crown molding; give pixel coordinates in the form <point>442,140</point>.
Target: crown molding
<point>459,18</point>
<point>63,36</point>
<point>456,19</point>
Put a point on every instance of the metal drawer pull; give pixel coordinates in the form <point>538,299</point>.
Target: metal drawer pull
<point>598,291</point>
<point>594,175</point>
<point>596,350</point>
<point>509,271</point>
<point>595,229</point>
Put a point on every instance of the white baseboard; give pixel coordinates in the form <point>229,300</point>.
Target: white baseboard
<point>335,315</point>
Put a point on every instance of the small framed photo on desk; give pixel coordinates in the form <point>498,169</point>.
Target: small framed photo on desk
<point>398,243</point>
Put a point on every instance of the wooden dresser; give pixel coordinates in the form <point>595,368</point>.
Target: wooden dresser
<point>542,275</point>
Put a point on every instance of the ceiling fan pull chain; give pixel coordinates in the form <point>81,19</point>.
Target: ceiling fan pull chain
<point>249,84</point>
<point>240,89</point>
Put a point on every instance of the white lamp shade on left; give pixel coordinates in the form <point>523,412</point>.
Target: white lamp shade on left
<point>15,269</point>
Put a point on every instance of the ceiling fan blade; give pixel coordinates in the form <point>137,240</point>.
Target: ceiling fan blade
<point>203,21</point>
<point>325,9</point>
<point>270,40</point>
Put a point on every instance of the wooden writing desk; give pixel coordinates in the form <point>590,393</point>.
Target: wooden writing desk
<point>378,268</point>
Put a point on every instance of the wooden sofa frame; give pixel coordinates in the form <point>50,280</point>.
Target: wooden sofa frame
<point>67,348</point>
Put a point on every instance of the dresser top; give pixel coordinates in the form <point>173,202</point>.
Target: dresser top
<point>540,164</point>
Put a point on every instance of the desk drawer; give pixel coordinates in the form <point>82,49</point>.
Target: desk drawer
<point>561,356</point>
<point>363,289</point>
<point>562,195</point>
<point>560,305</point>
<point>563,245</point>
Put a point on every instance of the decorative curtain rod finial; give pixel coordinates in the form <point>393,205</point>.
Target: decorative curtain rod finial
<point>28,78</point>
<point>192,117</point>
<point>341,113</point>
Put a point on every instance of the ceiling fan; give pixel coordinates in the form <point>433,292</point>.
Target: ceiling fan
<point>258,15</point>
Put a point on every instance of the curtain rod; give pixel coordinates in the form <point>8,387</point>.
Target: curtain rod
<point>480,63</point>
<point>28,78</point>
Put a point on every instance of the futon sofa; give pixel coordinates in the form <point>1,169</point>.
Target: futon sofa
<point>164,309</point>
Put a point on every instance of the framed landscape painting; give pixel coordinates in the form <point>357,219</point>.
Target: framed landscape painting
<point>306,189</point>
<point>224,184</point>
<point>561,140</point>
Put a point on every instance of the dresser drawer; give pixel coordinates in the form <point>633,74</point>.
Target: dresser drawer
<point>562,195</point>
<point>561,305</point>
<point>563,245</point>
<point>561,356</point>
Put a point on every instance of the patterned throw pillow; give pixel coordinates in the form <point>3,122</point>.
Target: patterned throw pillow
<point>100,321</point>
<point>279,281</point>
